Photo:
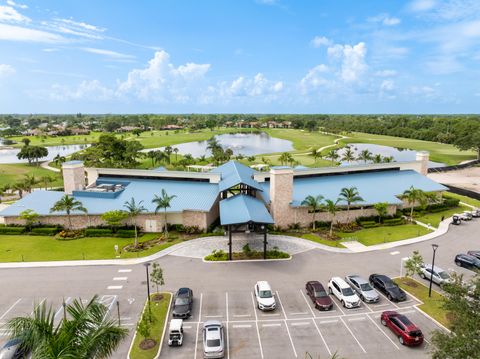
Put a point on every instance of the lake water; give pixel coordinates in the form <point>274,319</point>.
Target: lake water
<point>247,144</point>
<point>399,154</point>
<point>9,155</point>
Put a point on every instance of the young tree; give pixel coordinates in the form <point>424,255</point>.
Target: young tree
<point>163,202</point>
<point>413,196</point>
<point>26,141</point>
<point>30,217</point>
<point>175,150</point>
<point>348,155</point>
<point>315,154</point>
<point>365,156</point>
<point>382,210</point>
<point>333,156</point>
<point>350,196</point>
<point>134,210</point>
<point>413,264</point>
<point>46,180</point>
<point>68,205</point>
<point>331,207</point>
<point>156,277</point>
<point>314,204</point>
<point>30,181</point>
<point>114,218</point>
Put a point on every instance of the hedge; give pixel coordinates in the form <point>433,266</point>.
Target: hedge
<point>45,231</point>
<point>126,233</point>
<point>98,232</point>
<point>12,230</point>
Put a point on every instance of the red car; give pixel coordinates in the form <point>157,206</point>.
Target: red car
<point>318,295</point>
<point>407,332</point>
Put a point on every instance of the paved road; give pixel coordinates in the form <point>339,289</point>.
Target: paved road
<point>214,282</point>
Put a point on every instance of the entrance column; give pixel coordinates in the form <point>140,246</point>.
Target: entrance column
<point>229,242</point>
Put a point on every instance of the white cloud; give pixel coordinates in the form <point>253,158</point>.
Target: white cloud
<point>242,86</point>
<point>50,50</point>
<point>191,70</point>
<point>18,33</point>
<point>8,13</point>
<point>422,5</point>
<point>108,53</point>
<point>424,91</point>
<point>385,19</point>
<point>315,78</point>
<point>75,28</point>
<point>267,2</point>
<point>318,41</point>
<point>14,4</point>
<point>6,70</point>
<point>386,73</point>
<point>352,58</point>
<point>86,90</point>
<point>446,10</point>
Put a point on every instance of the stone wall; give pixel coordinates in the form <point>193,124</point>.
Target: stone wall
<point>281,192</point>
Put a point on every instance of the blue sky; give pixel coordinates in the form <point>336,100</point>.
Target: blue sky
<point>249,56</point>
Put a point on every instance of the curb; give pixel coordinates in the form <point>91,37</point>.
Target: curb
<point>249,260</point>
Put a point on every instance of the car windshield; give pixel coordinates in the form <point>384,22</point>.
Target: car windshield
<point>181,301</point>
<point>476,261</point>
<point>444,275</point>
<point>365,287</point>
<point>347,291</point>
<point>213,342</point>
<point>320,294</point>
<point>265,294</point>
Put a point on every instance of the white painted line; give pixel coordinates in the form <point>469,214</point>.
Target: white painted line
<point>61,307</point>
<point>299,313</point>
<point>9,309</point>
<point>270,315</point>
<point>228,344</point>
<point>241,315</point>
<point>300,324</point>
<point>401,311</point>
<point>329,321</point>
<point>271,325</point>
<point>281,305</point>
<point>394,253</point>
<point>113,287</point>
<point>290,337</point>
<point>242,326</point>
<point>36,306</point>
<point>187,327</point>
<point>386,336</point>
<point>339,307</point>
<point>382,305</point>
<point>353,335</point>
<point>120,278</point>
<point>198,325</point>
<point>308,304</point>
<point>356,319</point>
<point>321,336</point>
<point>213,316</point>
<point>124,270</point>
<point>256,323</point>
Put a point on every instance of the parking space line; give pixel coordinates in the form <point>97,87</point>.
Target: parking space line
<point>61,307</point>
<point>281,304</point>
<point>271,325</point>
<point>356,319</point>
<point>389,301</point>
<point>299,313</point>
<point>385,334</point>
<point>300,324</point>
<point>124,270</point>
<point>187,327</point>
<point>38,305</point>
<point>339,306</point>
<point>329,321</point>
<point>353,335</point>
<point>213,316</point>
<point>242,315</point>
<point>256,323</point>
<point>198,325</point>
<point>120,278</point>
<point>228,337</point>
<point>409,311</point>
<point>9,309</point>
<point>113,287</point>
<point>242,326</point>
<point>321,336</point>
<point>308,304</point>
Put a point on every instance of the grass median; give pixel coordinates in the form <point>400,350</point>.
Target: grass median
<point>385,234</point>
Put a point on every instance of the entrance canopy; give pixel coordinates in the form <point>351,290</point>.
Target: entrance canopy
<point>243,209</point>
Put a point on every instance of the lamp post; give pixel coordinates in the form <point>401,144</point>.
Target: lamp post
<point>148,284</point>
<point>434,247</point>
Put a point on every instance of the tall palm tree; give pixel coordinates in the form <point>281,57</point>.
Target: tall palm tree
<point>315,154</point>
<point>388,159</point>
<point>348,155</point>
<point>47,180</point>
<point>134,210</point>
<point>68,204</point>
<point>365,156</point>
<point>350,196</point>
<point>378,158</point>
<point>331,207</point>
<point>153,156</point>
<point>168,151</point>
<point>163,201</point>
<point>84,334</point>
<point>314,204</point>
<point>20,186</point>
<point>412,196</point>
<point>30,181</point>
<point>175,149</point>
<point>333,156</point>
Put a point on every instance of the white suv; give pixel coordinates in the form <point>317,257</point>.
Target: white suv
<point>344,293</point>
<point>264,296</point>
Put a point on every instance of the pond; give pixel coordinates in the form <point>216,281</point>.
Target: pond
<point>247,144</point>
<point>9,155</point>
<point>398,154</point>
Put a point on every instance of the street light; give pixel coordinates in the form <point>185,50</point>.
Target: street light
<point>148,283</point>
<point>434,247</point>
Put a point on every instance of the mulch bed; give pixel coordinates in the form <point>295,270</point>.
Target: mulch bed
<point>157,297</point>
<point>147,344</point>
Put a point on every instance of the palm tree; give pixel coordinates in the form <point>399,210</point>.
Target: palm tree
<point>286,158</point>
<point>30,181</point>
<point>348,155</point>
<point>350,195</point>
<point>59,159</point>
<point>377,158</point>
<point>331,208</point>
<point>365,156</point>
<point>134,210</point>
<point>68,204</point>
<point>414,195</point>
<point>20,186</point>
<point>168,151</point>
<point>175,149</point>
<point>315,154</point>
<point>153,156</point>
<point>47,180</point>
<point>85,333</point>
<point>388,159</point>
<point>333,156</point>
<point>164,202</point>
<point>314,204</point>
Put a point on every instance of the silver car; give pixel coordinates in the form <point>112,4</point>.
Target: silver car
<point>439,277</point>
<point>213,339</point>
<point>11,350</point>
<point>363,288</point>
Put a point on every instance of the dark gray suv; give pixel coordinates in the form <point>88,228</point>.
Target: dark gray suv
<point>183,303</point>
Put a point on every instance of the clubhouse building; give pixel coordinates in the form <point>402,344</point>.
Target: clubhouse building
<point>232,194</point>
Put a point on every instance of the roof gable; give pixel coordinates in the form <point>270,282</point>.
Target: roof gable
<point>234,173</point>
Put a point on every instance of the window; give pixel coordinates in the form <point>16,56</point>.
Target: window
<point>336,286</point>
<point>265,294</point>
<point>366,287</point>
<point>181,301</point>
<point>354,282</point>
<point>347,291</point>
<point>213,342</point>
<point>320,293</point>
<point>444,275</point>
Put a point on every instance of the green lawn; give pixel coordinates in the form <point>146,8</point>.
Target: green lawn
<point>378,235</point>
<point>439,152</point>
<point>45,248</point>
<point>327,242</point>
<point>159,312</point>
<point>10,173</point>
<point>464,199</point>
<point>302,140</point>
<point>432,306</point>
<point>434,219</point>
<point>56,140</point>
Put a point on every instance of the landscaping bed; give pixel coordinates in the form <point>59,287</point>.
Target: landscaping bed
<point>148,348</point>
<point>432,306</point>
<point>220,255</point>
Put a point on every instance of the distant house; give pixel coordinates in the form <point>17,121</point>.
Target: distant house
<point>33,132</point>
<point>129,128</point>
<point>79,131</point>
<point>172,127</point>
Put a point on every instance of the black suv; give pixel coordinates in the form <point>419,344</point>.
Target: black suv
<point>387,287</point>
<point>182,303</point>
<point>467,261</point>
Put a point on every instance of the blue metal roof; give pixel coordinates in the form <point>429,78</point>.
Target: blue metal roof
<point>233,173</point>
<point>73,162</point>
<point>374,187</point>
<point>243,209</point>
<point>190,195</point>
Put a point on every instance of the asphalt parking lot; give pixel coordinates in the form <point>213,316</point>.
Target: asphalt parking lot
<point>296,328</point>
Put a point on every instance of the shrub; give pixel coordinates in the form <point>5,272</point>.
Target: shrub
<point>70,234</point>
<point>192,230</point>
<point>45,231</point>
<point>246,250</point>
<point>125,233</point>
<point>12,230</point>
<point>98,232</point>
<point>217,255</point>
<point>394,221</point>
<point>294,226</point>
<point>321,224</point>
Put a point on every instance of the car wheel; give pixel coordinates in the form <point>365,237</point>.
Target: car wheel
<point>316,306</point>
<point>400,339</point>
<point>384,322</point>
<point>343,303</point>
<point>330,290</point>
<point>458,263</point>
<point>389,296</point>
<point>362,297</point>
<point>422,275</point>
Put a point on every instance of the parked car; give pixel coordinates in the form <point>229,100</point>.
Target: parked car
<point>12,350</point>
<point>439,276</point>
<point>363,288</point>
<point>213,339</point>
<point>318,295</point>
<point>264,296</point>
<point>344,293</point>
<point>476,212</point>
<point>467,261</point>
<point>468,215</point>
<point>475,254</point>
<point>463,216</point>
<point>387,287</point>
<point>407,332</point>
<point>175,333</point>
<point>456,219</point>
<point>183,303</point>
